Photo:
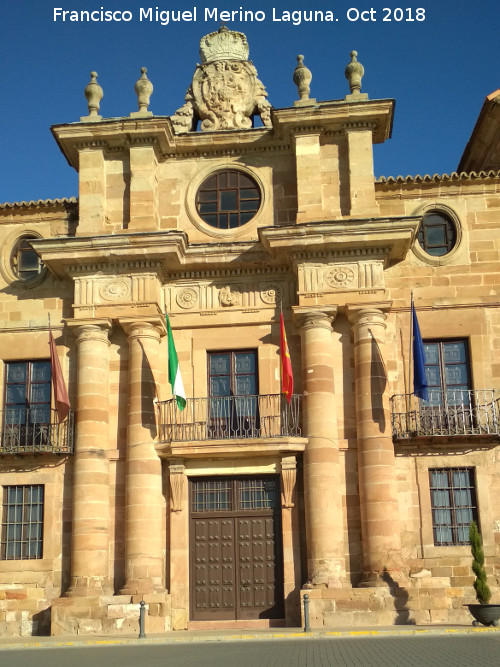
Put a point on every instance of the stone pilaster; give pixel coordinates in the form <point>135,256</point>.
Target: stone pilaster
<point>91,190</point>
<point>308,165</point>
<point>323,499</point>
<point>380,526</point>
<point>90,539</point>
<point>143,188</point>
<point>361,173</point>
<point>179,543</point>
<point>144,549</point>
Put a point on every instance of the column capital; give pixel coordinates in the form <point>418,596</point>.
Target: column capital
<point>312,317</point>
<point>137,327</point>
<point>90,329</point>
<point>367,313</point>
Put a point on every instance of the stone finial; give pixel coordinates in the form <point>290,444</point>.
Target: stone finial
<point>354,72</point>
<point>143,89</point>
<point>302,78</point>
<point>94,94</point>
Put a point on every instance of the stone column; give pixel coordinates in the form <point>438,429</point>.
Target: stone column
<point>380,528</point>
<point>323,498</point>
<point>144,549</point>
<point>90,539</point>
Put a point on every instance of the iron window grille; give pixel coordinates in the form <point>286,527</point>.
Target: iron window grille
<point>22,522</point>
<point>453,504</point>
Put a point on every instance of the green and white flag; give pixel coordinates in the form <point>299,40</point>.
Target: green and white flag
<point>174,372</point>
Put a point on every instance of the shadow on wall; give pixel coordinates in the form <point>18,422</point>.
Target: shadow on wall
<point>400,596</point>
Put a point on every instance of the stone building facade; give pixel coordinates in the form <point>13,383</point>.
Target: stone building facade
<point>225,513</point>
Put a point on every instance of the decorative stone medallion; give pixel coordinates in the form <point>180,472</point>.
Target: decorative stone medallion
<point>271,293</point>
<point>114,290</point>
<point>186,298</point>
<point>340,276</point>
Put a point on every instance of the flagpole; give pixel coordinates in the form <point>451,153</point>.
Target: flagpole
<point>410,359</point>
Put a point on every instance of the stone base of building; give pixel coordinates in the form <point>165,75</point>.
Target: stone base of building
<point>429,602</point>
<point>110,615</point>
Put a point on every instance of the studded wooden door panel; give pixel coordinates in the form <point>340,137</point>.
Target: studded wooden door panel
<point>259,590</point>
<point>213,562</point>
<point>236,562</point>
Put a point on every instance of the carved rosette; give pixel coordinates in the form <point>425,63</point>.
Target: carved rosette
<point>271,293</point>
<point>115,290</point>
<point>187,298</point>
<point>340,277</point>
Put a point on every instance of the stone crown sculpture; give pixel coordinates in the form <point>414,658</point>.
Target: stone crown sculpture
<point>225,92</point>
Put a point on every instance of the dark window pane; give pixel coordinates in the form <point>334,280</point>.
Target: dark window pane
<point>228,200</point>
<point>234,220</point>
<point>16,372</point>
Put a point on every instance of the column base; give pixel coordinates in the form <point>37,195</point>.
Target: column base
<point>327,573</point>
<point>142,587</point>
<point>386,578</point>
<point>82,587</point>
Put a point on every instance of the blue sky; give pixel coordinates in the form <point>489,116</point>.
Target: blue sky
<point>439,70</point>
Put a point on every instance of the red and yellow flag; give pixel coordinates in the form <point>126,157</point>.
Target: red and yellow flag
<point>286,364</point>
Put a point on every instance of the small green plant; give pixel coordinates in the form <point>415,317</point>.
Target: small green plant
<point>483,593</point>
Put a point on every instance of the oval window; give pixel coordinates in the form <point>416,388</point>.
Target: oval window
<point>437,234</point>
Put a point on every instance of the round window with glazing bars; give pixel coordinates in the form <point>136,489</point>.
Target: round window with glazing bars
<point>228,199</point>
<point>437,234</point>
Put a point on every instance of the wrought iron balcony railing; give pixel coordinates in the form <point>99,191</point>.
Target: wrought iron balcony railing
<point>450,413</point>
<point>230,417</point>
<point>27,431</point>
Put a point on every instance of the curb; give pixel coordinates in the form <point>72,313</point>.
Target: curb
<point>52,642</point>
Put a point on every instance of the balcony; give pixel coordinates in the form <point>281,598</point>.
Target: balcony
<point>24,433</point>
<point>230,418</point>
<point>465,414</point>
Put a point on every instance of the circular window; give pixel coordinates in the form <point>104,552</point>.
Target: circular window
<point>25,263</point>
<point>437,234</point>
<point>228,199</point>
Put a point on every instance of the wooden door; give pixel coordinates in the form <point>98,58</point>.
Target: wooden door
<point>236,567</point>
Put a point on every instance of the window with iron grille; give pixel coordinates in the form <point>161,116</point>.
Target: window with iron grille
<point>453,504</point>
<point>22,522</point>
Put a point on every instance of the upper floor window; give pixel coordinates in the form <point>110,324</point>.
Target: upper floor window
<point>228,199</point>
<point>233,389</point>
<point>22,522</point>
<point>25,263</point>
<point>453,504</point>
<point>27,392</point>
<point>437,234</point>
<point>447,371</point>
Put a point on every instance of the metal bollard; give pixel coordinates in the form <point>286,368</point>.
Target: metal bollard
<point>142,614</point>
<point>307,627</point>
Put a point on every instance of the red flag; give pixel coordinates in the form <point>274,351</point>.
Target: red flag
<point>286,364</point>
<point>60,392</point>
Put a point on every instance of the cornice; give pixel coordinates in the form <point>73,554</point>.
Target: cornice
<point>390,238</point>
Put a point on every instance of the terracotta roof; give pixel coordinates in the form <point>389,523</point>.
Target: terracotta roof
<point>39,202</point>
<point>427,178</point>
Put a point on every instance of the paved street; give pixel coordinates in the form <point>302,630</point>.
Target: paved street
<point>391,651</point>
